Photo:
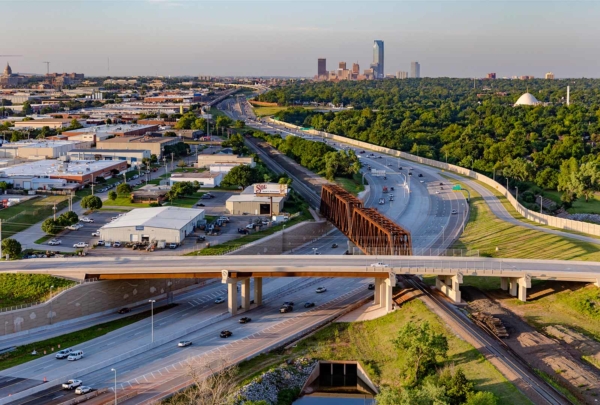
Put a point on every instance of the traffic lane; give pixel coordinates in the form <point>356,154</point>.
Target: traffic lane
<point>208,338</point>
<point>47,396</point>
<point>240,350</point>
<point>138,333</point>
<point>325,244</point>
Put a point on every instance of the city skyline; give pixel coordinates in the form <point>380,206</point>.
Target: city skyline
<point>456,39</point>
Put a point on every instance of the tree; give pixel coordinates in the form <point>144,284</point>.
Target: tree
<point>421,347</point>
<point>239,176</point>
<point>124,188</point>
<point>108,121</point>
<point>51,226</point>
<point>75,124</point>
<point>3,186</point>
<point>170,134</point>
<point>181,163</point>
<point>239,124</point>
<point>481,398</point>
<point>12,248</point>
<point>456,384</point>
<point>153,158</point>
<point>68,218</point>
<point>27,108</point>
<point>112,195</point>
<point>91,202</point>
<point>213,381</point>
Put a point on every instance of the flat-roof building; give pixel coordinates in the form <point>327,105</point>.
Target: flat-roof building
<point>133,157</point>
<point>169,224</point>
<point>153,144</point>
<point>40,149</point>
<point>103,132</point>
<point>78,171</point>
<point>247,202</point>
<point>208,160</point>
<point>206,179</point>
<point>52,123</point>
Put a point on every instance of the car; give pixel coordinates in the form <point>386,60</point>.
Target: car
<point>391,198</point>
<point>245,320</point>
<point>200,205</point>
<point>392,188</point>
<point>63,354</point>
<point>114,219</point>
<point>219,300</point>
<point>334,245</point>
<point>184,343</point>
<point>391,195</point>
<point>286,308</point>
<point>75,355</point>
<point>309,304</point>
<point>371,286</point>
<point>441,184</point>
<point>173,245</point>
<point>96,233</point>
<point>80,245</point>
<point>86,220</point>
<point>200,238</point>
<point>437,192</point>
<point>321,290</point>
<point>225,219</point>
<point>410,173</point>
<point>225,333</point>
<point>54,242</point>
<point>116,244</point>
<point>72,384</point>
<point>420,174</point>
<point>74,227</point>
<point>384,177</point>
<point>123,311</point>
<point>454,212</point>
<point>84,389</point>
<point>100,243</point>
<point>205,197</point>
<point>399,167</point>
<point>379,264</point>
<point>250,226</point>
<point>381,201</point>
<point>243,231</point>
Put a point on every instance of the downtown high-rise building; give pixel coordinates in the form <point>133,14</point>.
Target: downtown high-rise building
<point>322,67</point>
<point>401,75</point>
<point>377,64</point>
<point>415,70</point>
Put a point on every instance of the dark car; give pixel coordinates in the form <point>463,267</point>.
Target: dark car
<point>124,310</point>
<point>441,184</point>
<point>399,167</point>
<point>200,205</point>
<point>410,173</point>
<point>288,303</point>
<point>243,231</point>
<point>334,245</point>
<point>309,305</point>
<point>384,177</point>
<point>371,286</point>
<point>201,239</point>
<point>225,334</point>
<point>286,308</point>
<point>392,188</point>
<point>420,174</point>
<point>245,320</point>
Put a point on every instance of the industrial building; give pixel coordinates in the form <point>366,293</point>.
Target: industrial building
<point>206,179</point>
<point>40,149</point>
<point>208,160</point>
<point>79,171</point>
<point>103,132</point>
<point>259,200</point>
<point>52,123</point>
<point>169,224</point>
<point>153,144</point>
<point>133,157</point>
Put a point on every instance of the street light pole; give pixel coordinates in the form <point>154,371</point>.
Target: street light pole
<point>152,316</point>
<point>282,234</point>
<point>115,371</point>
<point>51,288</point>
<point>517,194</point>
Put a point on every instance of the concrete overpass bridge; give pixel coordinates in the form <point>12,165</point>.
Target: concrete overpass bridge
<point>515,274</point>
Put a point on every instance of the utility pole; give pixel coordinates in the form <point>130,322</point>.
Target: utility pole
<point>172,161</point>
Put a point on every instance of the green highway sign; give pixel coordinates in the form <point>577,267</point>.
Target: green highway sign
<point>456,188</point>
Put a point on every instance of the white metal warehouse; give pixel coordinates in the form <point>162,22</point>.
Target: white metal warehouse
<point>169,224</point>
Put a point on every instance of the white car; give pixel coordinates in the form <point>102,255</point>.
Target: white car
<point>72,384</point>
<point>454,212</point>
<point>63,353</point>
<point>220,300</point>
<point>321,290</point>
<point>96,233</point>
<point>379,264</point>
<point>250,226</point>
<point>74,227</point>
<point>80,245</point>
<point>84,389</point>
<point>184,343</point>
<point>54,242</point>
<point>87,220</point>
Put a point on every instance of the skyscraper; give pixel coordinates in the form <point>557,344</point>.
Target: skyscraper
<point>322,68</point>
<point>378,59</point>
<point>342,65</point>
<point>549,76</point>
<point>415,70</point>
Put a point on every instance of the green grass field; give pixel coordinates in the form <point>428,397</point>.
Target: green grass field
<point>23,353</point>
<point>18,289</point>
<point>21,216</point>
<point>580,206</point>
<point>353,185</point>
<point>370,343</point>
<point>266,111</point>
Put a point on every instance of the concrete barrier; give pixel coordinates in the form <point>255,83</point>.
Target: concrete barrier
<point>561,223</point>
<point>83,398</point>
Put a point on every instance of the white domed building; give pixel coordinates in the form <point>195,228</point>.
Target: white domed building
<point>527,99</point>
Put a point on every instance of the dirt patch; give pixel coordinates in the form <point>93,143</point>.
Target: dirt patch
<point>583,344</point>
<point>551,356</point>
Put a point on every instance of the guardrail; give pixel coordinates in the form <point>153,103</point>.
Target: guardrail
<point>561,223</point>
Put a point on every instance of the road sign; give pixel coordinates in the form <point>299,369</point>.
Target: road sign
<point>378,173</point>
<point>456,188</point>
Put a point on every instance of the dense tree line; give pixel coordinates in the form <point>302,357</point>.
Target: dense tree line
<point>478,128</point>
<point>315,156</point>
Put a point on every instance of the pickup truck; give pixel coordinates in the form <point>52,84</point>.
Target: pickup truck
<point>72,384</point>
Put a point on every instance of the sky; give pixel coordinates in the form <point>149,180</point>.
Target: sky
<point>285,38</point>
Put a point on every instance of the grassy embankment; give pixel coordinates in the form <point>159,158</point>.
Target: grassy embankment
<point>370,343</point>
<point>266,111</point>
<point>580,206</point>
<point>23,353</point>
<point>18,289</point>
<point>549,303</point>
<point>353,185</point>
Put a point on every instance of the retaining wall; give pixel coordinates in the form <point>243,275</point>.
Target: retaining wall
<point>561,223</point>
<point>87,299</point>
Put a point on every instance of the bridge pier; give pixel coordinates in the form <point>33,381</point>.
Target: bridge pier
<point>245,294</point>
<point>383,292</point>
<point>504,283</point>
<point>450,286</point>
<point>232,304</point>
<point>258,284</point>
<point>232,296</point>
<point>519,286</point>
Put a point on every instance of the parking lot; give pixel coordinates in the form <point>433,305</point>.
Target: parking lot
<point>215,206</point>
